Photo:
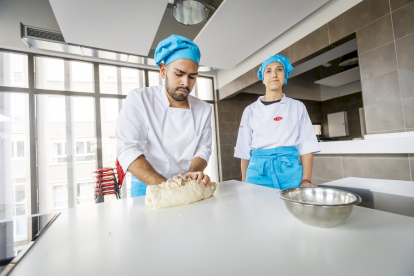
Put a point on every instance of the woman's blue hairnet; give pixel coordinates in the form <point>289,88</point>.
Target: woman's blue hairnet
<point>276,58</point>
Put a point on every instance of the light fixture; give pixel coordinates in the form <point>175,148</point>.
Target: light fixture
<point>349,62</point>
<point>190,12</point>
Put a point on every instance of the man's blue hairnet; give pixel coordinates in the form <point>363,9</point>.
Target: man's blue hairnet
<point>287,67</point>
<point>176,47</point>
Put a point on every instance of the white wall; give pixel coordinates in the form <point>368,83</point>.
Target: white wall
<point>37,13</point>
<point>320,17</point>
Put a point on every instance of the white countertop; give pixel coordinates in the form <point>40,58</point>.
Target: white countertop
<point>395,187</point>
<point>244,229</point>
<point>370,146</point>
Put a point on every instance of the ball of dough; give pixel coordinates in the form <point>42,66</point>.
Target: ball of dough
<point>179,190</point>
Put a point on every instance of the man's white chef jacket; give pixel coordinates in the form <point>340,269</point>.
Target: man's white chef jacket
<point>147,125</point>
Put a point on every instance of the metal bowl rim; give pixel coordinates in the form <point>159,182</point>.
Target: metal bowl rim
<point>356,202</point>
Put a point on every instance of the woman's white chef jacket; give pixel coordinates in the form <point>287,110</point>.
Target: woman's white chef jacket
<point>283,124</point>
<point>144,127</point>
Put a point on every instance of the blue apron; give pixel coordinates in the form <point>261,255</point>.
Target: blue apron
<point>277,168</point>
<point>138,188</point>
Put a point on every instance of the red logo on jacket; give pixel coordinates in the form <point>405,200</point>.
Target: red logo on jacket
<point>278,118</point>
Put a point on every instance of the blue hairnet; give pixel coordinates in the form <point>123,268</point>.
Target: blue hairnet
<point>176,47</point>
<point>276,58</point>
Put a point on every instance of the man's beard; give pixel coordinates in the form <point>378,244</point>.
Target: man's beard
<point>174,92</point>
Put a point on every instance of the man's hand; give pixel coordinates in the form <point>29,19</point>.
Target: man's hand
<point>202,179</point>
<point>307,184</point>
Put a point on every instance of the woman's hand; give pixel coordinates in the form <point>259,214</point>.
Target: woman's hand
<point>307,184</point>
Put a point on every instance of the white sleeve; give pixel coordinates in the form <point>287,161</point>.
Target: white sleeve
<point>307,137</point>
<point>244,138</point>
<point>131,131</point>
<point>203,149</point>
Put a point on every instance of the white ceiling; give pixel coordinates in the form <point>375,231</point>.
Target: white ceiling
<point>241,27</point>
<point>237,29</point>
<point>123,25</point>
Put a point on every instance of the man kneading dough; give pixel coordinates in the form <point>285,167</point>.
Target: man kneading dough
<point>163,130</point>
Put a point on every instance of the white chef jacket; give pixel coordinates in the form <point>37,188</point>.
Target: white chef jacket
<point>282,124</point>
<point>147,125</point>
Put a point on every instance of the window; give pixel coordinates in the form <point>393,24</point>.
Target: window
<point>204,89</point>
<point>109,110</point>
<point>85,192</point>
<point>83,109</point>
<point>58,155</point>
<point>50,73</point>
<point>85,150</point>
<point>131,79</point>
<point>15,141</point>
<point>81,76</point>
<point>154,78</point>
<point>17,149</point>
<point>19,196</point>
<point>111,145</point>
<point>108,79</point>
<point>20,192</point>
<point>56,107</point>
<point>17,77</point>
<point>59,195</point>
<point>13,72</point>
<point>110,73</point>
<point>212,168</point>
<point>66,150</point>
<point>17,119</point>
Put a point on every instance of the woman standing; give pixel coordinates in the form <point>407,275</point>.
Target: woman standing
<point>274,131</point>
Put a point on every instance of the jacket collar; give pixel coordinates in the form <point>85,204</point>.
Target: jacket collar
<point>282,101</point>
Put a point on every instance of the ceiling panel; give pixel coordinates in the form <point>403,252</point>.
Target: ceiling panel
<point>241,27</point>
<point>123,25</point>
<point>345,77</point>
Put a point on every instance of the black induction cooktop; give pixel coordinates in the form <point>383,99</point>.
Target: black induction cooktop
<point>18,235</point>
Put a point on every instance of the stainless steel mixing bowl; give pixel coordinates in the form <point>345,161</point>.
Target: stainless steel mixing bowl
<point>321,207</point>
